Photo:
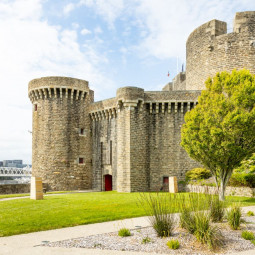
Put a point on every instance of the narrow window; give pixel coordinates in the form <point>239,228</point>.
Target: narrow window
<point>102,153</point>
<point>81,160</point>
<point>35,107</point>
<point>81,131</point>
<point>110,152</point>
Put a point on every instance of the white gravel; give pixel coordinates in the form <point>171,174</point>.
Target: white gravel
<point>233,242</point>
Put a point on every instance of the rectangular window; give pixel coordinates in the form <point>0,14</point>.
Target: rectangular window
<point>35,107</point>
<point>81,160</point>
<point>110,152</point>
<point>102,153</point>
<point>81,131</point>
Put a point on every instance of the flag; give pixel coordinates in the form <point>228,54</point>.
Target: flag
<point>168,74</point>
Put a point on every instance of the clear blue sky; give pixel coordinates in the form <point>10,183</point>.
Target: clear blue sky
<point>110,43</point>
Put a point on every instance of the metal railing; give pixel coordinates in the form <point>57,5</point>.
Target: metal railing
<point>15,172</point>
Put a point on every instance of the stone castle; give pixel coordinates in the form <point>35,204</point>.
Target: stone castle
<point>131,142</point>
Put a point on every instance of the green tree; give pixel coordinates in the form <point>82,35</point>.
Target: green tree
<point>220,131</point>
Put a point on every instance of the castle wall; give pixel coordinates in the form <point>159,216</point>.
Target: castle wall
<point>209,49</point>
<point>104,158</point>
<point>60,112</point>
<point>166,156</point>
<point>146,129</point>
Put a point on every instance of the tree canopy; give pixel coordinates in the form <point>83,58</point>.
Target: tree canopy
<point>220,131</point>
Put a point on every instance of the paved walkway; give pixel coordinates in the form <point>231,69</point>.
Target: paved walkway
<point>27,244</point>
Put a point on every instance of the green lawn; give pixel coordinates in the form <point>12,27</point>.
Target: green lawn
<point>27,194</point>
<point>25,215</point>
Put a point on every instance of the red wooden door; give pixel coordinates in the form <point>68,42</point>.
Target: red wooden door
<point>166,184</point>
<point>108,182</point>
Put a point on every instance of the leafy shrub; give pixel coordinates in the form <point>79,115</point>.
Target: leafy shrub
<point>146,240</point>
<point>173,244</point>
<point>217,209</point>
<point>247,235</point>
<point>250,213</point>
<point>234,217</point>
<point>123,232</point>
<point>160,207</point>
<point>205,232</point>
<point>198,174</point>
<point>242,180</point>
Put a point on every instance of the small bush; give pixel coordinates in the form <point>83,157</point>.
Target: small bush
<point>123,232</point>
<point>234,215</point>
<point>253,241</point>
<point>173,244</point>
<point>247,235</point>
<point>198,174</point>
<point>146,240</point>
<point>250,213</point>
<point>217,209</point>
<point>205,232</point>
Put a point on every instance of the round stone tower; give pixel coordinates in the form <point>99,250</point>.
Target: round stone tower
<point>61,132</point>
<point>210,49</point>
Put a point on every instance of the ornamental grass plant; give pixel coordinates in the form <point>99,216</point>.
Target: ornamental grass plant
<point>195,217</point>
<point>234,215</point>
<point>217,208</point>
<point>124,232</point>
<point>160,208</point>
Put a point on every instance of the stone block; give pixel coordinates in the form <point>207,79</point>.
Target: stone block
<point>36,190</point>
<point>173,186</point>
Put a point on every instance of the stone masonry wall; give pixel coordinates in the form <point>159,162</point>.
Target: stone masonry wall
<point>103,135</point>
<point>230,191</point>
<point>166,156</point>
<point>209,49</point>
<point>139,148</point>
<point>14,188</point>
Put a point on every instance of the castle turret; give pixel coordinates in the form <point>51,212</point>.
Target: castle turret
<point>210,49</point>
<point>61,132</point>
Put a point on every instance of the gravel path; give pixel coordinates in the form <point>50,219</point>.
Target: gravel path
<point>233,242</point>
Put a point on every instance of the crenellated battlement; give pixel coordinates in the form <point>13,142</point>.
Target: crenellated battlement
<point>57,87</point>
<point>244,22</point>
<point>153,102</point>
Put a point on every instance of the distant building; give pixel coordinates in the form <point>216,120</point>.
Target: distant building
<point>1,163</point>
<point>13,163</point>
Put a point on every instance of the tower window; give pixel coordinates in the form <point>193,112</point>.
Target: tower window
<point>82,131</point>
<point>35,107</point>
<point>110,152</point>
<point>102,153</point>
<point>81,160</point>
